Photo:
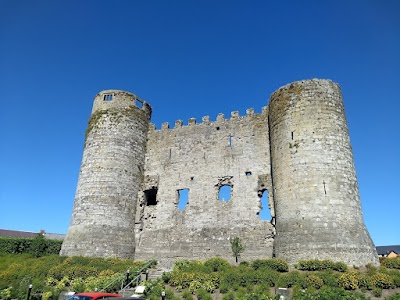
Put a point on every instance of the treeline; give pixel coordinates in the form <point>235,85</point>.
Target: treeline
<point>37,246</point>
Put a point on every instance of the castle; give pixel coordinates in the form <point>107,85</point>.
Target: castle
<point>297,150</point>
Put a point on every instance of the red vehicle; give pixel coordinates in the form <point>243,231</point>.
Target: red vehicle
<point>93,296</point>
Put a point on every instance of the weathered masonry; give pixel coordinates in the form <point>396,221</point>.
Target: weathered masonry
<point>132,178</point>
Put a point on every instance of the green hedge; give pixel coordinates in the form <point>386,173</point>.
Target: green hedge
<point>277,264</point>
<point>320,265</point>
<point>37,246</point>
<point>391,263</point>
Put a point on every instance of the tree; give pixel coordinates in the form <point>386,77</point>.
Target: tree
<point>237,247</point>
<point>38,245</point>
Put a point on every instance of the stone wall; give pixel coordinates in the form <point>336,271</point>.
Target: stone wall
<point>202,158</point>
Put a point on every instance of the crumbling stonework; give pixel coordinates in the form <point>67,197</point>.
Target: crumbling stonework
<point>297,149</point>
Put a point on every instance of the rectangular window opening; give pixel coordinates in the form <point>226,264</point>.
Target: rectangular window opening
<point>183,198</point>
<point>108,97</point>
<point>151,196</point>
<point>138,103</point>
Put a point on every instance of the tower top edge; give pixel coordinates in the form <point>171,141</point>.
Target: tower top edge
<point>112,99</point>
<point>308,82</point>
<point>117,92</point>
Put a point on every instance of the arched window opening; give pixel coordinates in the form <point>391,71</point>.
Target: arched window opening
<point>265,212</point>
<point>224,193</point>
<point>183,200</point>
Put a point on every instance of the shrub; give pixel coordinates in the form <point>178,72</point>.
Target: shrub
<point>169,294</point>
<point>365,282</point>
<point>262,289</point>
<point>186,295</point>
<point>290,279</point>
<point>216,264</point>
<point>340,266</point>
<point>382,281</point>
<point>229,296</point>
<point>166,276</point>
<point>396,278</point>
<point>329,277</point>
<point>348,280</point>
<point>377,292</point>
<point>208,285</point>
<point>391,263</point>
<point>308,265</point>
<point>224,288</point>
<point>244,263</point>
<point>393,297</point>
<point>314,281</point>
<point>186,265</point>
<point>277,264</point>
<point>6,293</point>
<point>320,265</point>
<point>194,286</point>
<point>203,295</point>
<point>326,293</point>
<point>269,277</point>
<point>371,269</point>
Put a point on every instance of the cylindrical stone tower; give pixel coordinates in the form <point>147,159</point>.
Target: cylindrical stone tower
<point>317,203</point>
<point>103,216</point>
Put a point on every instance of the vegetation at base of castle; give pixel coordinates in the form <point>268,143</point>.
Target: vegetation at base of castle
<point>326,293</point>
<point>277,264</point>
<point>392,263</point>
<point>52,274</point>
<point>326,280</point>
<point>254,280</point>
<point>393,297</point>
<point>37,246</point>
<point>320,265</point>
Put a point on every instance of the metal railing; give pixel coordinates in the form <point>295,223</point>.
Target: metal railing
<point>136,279</point>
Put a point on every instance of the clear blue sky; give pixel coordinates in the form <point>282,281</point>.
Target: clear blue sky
<point>188,59</point>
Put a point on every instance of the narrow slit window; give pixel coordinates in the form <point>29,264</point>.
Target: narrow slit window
<point>324,186</point>
<point>292,135</point>
<point>183,200</point>
<point>248,173</point>
<point>265,212</point>
<point>151,197</point>
<point>230,140</point>
<point>224,193</point>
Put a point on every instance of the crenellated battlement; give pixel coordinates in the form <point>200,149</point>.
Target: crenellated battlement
<point>205,120</point>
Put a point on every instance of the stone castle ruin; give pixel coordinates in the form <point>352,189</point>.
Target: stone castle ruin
<point>297,150</point>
